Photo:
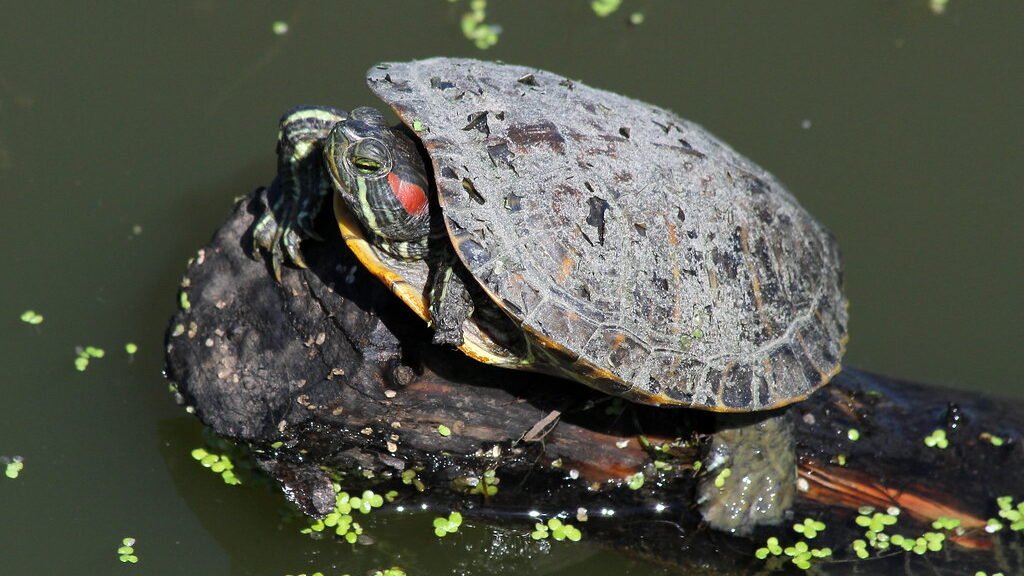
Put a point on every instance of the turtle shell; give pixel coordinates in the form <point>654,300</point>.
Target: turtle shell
<point>639,253</point>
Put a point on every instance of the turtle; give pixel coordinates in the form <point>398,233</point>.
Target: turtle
<point>537,223</point>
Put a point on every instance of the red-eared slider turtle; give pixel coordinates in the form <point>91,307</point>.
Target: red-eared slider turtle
<point>540,224</point>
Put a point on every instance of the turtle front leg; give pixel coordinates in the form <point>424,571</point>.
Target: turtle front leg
<point>299,188</point>
<point>450,302</point>
<point>750,472</point>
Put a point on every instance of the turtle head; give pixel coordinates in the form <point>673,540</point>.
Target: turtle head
<point>382,178</point>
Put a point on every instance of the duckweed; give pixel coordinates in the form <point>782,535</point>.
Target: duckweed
<point>771,547</point>
<point>874,521</point>
<point>800,553</point>
<point>927,542</point>
<point>131,348</point>
<point>636,18</point>
<point>409,477</point>
<point>809,527</point>
<point>449,525</point>
<point>475,28</point>
<point>722,477</point>
<point>393,571</point>
<point>444,430</point>
<point>556,529</point>
<point>279,27</point>
<point>946,523</point>
<point>937,439</point>
<point>930,540</point>
<point>662,466</point>
<point>605,8</point>
<point>85,354</point>
<point>1011,512</point>
<point>860,548</point>
<point>366,502</point>
<point>903,542</point>
<point>486,485</point>
<point>561,531</point>
<point>126,553</point>
<point>635,481</point>
<point>340,519</point>
<point>417,126</point>
<point>993,439</point>
<point>876,538</point>
<point>31,317</point>
<point>218,464</point>
<point>853,434</point>
<point>13,467</point>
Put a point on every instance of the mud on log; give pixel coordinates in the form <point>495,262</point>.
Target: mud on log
<point>329,370</point>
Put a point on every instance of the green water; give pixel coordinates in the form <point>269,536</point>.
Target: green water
<point>126,130</point>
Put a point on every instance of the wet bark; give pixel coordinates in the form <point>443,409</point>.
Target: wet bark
<point>328,370</point>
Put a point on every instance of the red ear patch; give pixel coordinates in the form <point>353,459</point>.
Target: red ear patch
<point>412,196</point>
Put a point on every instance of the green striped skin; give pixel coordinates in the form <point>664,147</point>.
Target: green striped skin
<point>376,170</point>
<point>301,184</point>
<point>383,180</point>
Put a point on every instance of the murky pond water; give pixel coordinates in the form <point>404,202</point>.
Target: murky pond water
<point>126,131</point>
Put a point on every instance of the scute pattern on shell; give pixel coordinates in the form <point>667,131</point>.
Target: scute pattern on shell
<point>641,244</point>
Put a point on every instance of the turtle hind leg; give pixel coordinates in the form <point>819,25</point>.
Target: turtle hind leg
<point>299,188</point>
<point>750,472</point>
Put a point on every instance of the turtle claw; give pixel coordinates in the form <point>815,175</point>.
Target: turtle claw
<point>291,242</point>
<point>275,261</point>
<point>282,244</point>
<point>265,229</point>
<point>281,241</point>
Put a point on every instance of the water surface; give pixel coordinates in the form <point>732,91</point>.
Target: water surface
<point>126,130</point>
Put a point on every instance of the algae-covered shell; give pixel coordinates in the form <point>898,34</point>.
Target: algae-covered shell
<point>636,249</point>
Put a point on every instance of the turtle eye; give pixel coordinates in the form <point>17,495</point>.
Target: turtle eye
<point>366,165</point>
<point>369,157</point>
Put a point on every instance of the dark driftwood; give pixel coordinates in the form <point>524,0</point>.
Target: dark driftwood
<point>332,366</point>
